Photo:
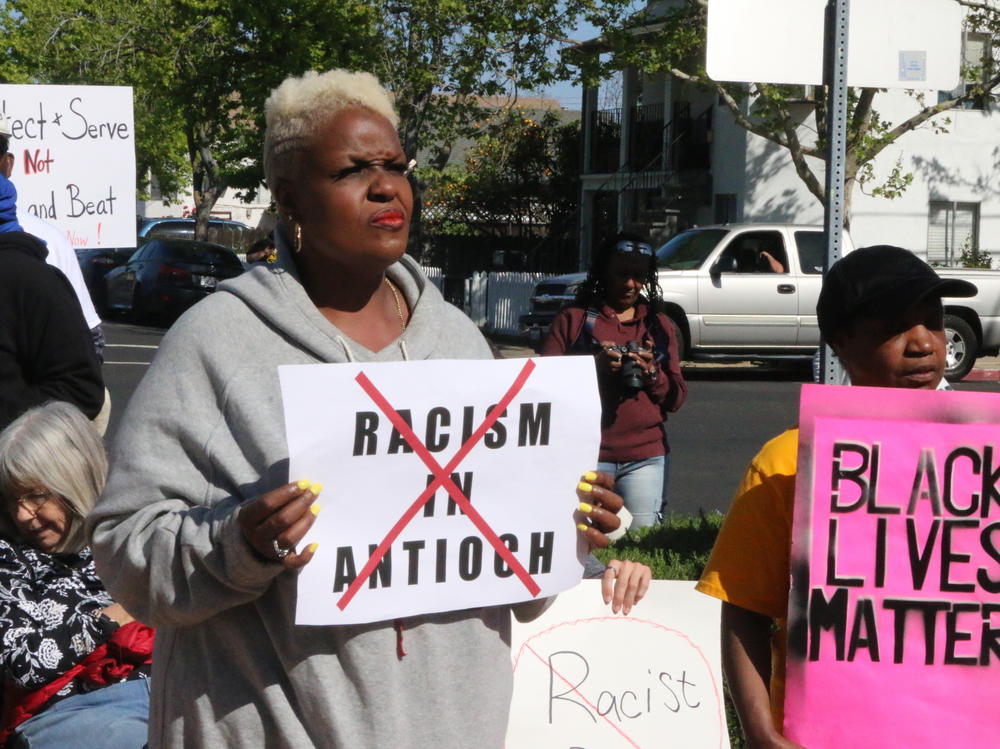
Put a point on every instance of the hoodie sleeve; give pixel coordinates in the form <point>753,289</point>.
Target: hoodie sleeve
<point>164,534</point>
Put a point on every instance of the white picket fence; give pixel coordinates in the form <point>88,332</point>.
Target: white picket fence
<point>494,300</point>
<point>497,299</point>
<point>434,275</point>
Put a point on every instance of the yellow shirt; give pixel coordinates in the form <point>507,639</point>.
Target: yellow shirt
<point>749,564</point>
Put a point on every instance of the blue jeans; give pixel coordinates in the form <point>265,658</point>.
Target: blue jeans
<point>114,717</point>
<point>640,484</point>
<point>666,486</point>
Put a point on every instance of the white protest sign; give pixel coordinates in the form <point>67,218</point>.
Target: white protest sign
<point>584,677</point>
<point>471,507</point>
<point>74,159</point>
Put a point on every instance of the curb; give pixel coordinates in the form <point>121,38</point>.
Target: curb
<point>982,375</point>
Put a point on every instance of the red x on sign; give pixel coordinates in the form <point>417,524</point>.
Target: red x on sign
<point>442,478</point>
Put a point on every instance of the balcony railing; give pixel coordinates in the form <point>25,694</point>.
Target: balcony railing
<point>605,140</point>
<point>689,146</point>
<point>646,137</point>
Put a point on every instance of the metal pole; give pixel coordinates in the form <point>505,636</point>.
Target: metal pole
<point>835,77</point>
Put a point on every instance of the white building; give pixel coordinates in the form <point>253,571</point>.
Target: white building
<point>672,156</point>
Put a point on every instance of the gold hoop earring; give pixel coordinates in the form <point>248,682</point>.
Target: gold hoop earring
<point>296,234</point>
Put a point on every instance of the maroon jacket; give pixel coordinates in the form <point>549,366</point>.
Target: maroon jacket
<point>631,424</point>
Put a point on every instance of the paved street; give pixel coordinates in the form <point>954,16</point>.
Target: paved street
<point>730,412</point>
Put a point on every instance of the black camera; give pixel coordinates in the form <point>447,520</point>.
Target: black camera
<point>631,371</point>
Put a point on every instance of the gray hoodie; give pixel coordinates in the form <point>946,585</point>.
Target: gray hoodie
<point>204,433</point>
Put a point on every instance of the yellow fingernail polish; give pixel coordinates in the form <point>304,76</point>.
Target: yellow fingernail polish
<point>315,487</point>
<point>314,509</point>
<point>582,527</point>
<point>585,508</point>
<point>313,547</point>
<point>304,484</point>
<point>584,486</point>
<point>590,475</point>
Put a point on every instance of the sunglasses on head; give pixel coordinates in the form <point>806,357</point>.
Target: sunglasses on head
<point>627,245</point>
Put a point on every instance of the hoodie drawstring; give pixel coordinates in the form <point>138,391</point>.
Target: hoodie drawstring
<point>347,349</point>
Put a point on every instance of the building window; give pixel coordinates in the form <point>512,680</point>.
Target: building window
<point>977,54</point>
<point>952,228</point>
<point>725,208</point>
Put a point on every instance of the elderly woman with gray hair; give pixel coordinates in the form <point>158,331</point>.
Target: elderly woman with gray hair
<point>199,528</point>
<point>75,664</point>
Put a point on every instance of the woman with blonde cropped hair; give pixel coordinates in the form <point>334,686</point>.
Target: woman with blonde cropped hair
<point>74,662</point>
<point>199,529</point>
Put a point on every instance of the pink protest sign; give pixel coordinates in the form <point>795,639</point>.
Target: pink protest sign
<point>894,611</point>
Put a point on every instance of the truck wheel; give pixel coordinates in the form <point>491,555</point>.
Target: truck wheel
<point>963,347</point>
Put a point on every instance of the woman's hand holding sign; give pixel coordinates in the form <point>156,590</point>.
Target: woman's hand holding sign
<point>275,522</point>
<point>624,583</point>
<point>600,506</point>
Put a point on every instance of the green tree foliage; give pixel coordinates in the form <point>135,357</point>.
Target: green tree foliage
<point>443,57</point>
<point>201,70</point>
<point>673,40</point>
<point>973,258</point>
<point>519,178</point>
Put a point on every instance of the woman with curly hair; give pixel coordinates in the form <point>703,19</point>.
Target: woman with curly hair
<point>615,319</point>
<point>75,664</point>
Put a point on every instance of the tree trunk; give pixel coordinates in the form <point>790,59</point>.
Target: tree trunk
<point>409,132</point>
<point>849,181</point>
<point>206,181</point>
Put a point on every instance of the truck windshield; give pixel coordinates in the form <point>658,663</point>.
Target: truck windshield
<point>689,249</point>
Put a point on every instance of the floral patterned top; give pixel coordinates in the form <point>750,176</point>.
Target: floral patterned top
<point>50,614</point>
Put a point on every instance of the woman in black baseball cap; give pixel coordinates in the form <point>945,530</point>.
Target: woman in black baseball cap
<point>880,310</point>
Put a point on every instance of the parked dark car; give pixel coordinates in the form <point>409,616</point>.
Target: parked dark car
<point>95,263</point>
<point>228,233</point>
<point>166,276</point>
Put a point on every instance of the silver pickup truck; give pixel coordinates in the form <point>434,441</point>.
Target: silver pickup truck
<point>748,291</point>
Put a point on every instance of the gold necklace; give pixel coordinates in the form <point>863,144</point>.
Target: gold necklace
<point>399,307</point>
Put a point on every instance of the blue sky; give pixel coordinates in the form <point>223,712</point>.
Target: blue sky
<point>568,94</point>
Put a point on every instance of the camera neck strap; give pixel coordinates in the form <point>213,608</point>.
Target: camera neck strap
<point>587,341</point>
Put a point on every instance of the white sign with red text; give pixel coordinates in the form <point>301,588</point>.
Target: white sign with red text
<point>74,159</point>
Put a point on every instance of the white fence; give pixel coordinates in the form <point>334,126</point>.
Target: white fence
<point>434,275</point>
<point>496,300</point>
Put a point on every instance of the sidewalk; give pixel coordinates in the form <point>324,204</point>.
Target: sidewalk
<point>987,369</point>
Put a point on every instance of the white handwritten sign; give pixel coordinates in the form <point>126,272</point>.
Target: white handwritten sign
<point>449,484</point>
<point>586,678</point>
<point>74,159</point>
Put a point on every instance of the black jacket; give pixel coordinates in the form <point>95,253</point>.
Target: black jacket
<point>45,348</point>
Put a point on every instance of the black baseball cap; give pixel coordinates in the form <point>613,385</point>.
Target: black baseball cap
<point>879,281</point>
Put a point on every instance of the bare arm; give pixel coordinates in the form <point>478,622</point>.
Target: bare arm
<point>775,265</point>
<point>746,659</point>
<point>117,614</point>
